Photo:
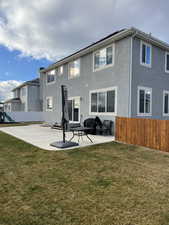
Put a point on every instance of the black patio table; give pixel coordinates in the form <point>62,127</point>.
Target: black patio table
<point>80,132</point>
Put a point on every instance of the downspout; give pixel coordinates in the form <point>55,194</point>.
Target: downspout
<point>130,74</point>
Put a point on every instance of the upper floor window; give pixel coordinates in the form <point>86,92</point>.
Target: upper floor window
<point>166,103</point>
<point>103,101</point>
<point>74,69</point>
<point>145,56</point>
<point>144,101</point>
<point>50,76</point>
<point>103,58</point>
<point>167,62</point>
<point>49,104</point>
<point>60,70</point>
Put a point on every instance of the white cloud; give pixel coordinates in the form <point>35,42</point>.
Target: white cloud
<point>54,28</point>
<point>6,87</point>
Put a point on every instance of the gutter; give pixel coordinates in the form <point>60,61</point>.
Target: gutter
<point>25,84</point>
<point>151,39</point>
<point>89,49</point>
<point>131,73</point>
<point>132,31</point>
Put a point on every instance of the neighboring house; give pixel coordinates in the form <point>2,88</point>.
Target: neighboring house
<point>26,98</point>
<point>125,74</point>
<point>1,106</point>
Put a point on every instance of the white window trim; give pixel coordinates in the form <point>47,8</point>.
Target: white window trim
<point>72,78</point>
<point>103,113</point>
<point>49,97</point>
<point>141,46</point>
<point>72,98</point>
<point>166,54</point>
<point>165,92</point>
<point>106,66</point>
<point>49,83</point>
<point>138,90</point>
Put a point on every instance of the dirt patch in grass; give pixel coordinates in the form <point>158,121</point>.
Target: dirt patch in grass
<point>109,184</point>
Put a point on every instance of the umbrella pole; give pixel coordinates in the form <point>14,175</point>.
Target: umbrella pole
<point>64,143</point>
<point>63,113</point>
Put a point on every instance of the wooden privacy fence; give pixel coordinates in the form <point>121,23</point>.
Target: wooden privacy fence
<point>145,132</point>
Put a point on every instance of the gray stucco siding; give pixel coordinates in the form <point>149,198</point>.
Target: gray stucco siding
<point>33,101</point>
<point>15,107</point>
<point>154,77</point>
<point>115,76</point>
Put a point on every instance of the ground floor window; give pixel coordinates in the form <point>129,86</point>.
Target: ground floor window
<point>7,107</point>
<point>144,101</point>
<point>74,109</point>
<point>49,104</point>
<point>166,103</point>
<point>103,101</point>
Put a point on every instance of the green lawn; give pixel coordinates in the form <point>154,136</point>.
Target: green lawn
<point>109,184</point>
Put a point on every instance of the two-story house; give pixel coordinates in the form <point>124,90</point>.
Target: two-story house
<point>125,74</point>
<point>1,106</point>
<point>26,98</point>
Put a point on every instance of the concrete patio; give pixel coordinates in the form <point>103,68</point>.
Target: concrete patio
<point>42,137</point>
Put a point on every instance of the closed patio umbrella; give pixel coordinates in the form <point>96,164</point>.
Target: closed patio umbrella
<point>65,120</point>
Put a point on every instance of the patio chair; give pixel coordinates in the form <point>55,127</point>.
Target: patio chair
<point>106,128</point>
<point>90,123</point>
<point>98,122</point>
<point>58,126</point>
<point>2,117</point>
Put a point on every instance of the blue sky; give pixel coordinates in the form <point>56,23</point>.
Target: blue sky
<point>15,67</point>
<point>34,34</point>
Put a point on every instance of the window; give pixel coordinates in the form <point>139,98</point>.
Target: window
<point>103,58</point>
<point>9,107</point>
<point>50,76</point>
<point>144,101</point>
<point>60,70</point>
<point>166,103</point>
<point>74,69</point>
<point>103,101</point>
<point>49,104</point>
<point>74,109</point>
<point>145,56</point>
<point>5,107</point>
<point>167,62</point>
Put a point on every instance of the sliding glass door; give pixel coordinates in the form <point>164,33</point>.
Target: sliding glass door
<point>74,109</point>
